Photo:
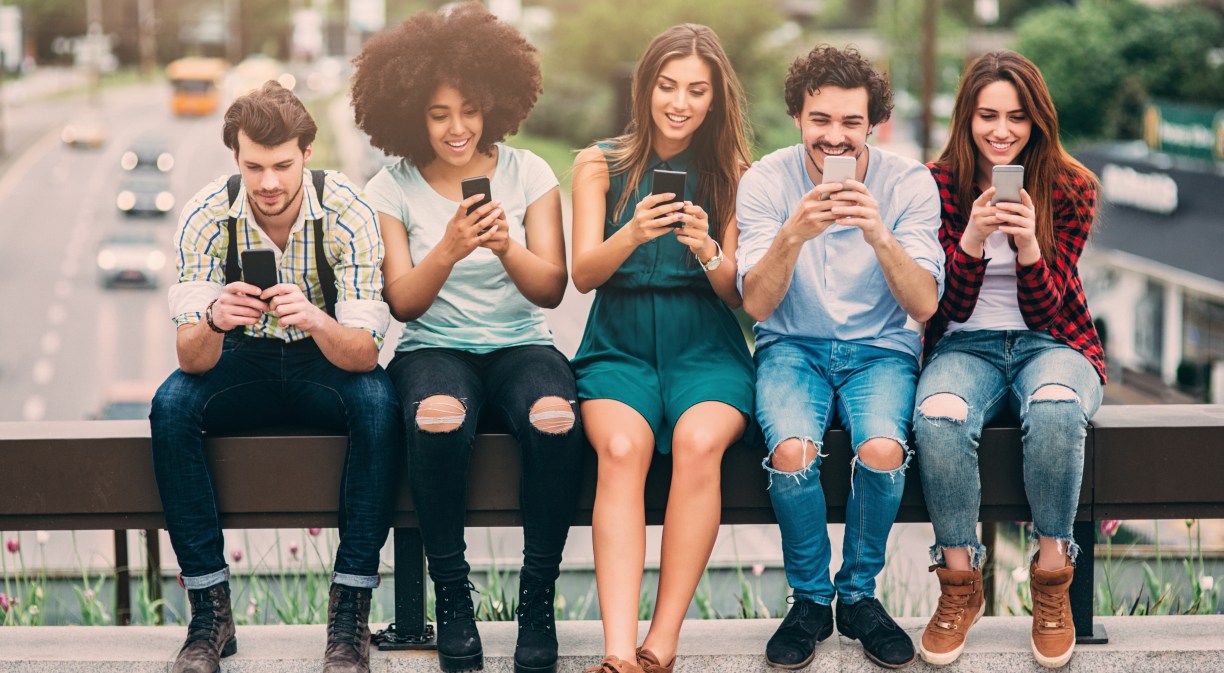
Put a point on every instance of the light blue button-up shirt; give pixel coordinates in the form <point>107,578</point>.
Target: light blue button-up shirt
<point>838,290</point>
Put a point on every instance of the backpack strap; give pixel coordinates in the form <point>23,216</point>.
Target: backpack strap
<point>233,271</point>
<point>327,276</point>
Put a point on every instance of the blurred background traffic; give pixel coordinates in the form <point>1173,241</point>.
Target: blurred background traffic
<point>110,121</point>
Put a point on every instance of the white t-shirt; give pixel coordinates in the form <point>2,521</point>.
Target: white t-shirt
<point>478,309</point>
<point>998,306</point>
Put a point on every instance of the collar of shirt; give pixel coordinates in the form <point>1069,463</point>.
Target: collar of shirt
<point>311,208</point>
<point>679,162</point>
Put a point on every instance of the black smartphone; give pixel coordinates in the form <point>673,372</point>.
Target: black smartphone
<point>474,186</point>
<point>673,182</point>
<point>259,268</point>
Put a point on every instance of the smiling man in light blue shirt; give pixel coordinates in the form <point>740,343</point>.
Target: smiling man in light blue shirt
<point>839,276</point>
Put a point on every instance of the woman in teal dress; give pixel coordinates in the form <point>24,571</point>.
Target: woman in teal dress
<point>663,362</point>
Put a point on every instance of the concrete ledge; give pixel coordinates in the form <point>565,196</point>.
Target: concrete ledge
<point>997,645</point>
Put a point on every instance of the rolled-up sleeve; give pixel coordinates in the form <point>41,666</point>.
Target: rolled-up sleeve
<point>201,273</point>
<point>917,229</point>
<point>759,221</point>
<point>359,279</point>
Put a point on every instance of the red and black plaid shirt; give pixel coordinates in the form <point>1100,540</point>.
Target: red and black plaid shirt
<point>1051,297</point>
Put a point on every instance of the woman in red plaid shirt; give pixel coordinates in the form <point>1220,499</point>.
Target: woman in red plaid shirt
<point>1012,336</point>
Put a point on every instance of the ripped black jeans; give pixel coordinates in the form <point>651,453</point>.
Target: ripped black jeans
<point>528,391</point>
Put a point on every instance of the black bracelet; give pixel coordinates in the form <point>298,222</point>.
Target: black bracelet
<point>208,318</point>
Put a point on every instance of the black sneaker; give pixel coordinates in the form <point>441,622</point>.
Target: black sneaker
<point>883,641</point>
<point>793,645</point>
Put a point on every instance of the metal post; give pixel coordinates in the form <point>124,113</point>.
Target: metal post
<point>990,535</point>
<point>148,45</point>
<point>410,630</point>
<point>153,584</point>
<point>1083,587</point>
<point>930,14</point>
<point>123,580</point>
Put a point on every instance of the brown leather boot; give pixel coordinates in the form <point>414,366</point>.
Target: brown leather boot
<point>1053,636</point>
<point>960,606</point>
<point>348,630</point>
<point>210,635</point>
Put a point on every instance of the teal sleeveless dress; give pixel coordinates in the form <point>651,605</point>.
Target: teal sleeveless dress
<point>658,339</point>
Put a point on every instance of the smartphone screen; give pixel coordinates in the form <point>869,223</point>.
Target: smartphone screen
<point>474,186</point>
<point>259,268</point>
<point>838,169</point>
<point>1007,181</point>
<point>673,182</point>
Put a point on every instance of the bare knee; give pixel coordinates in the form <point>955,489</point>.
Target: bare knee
<point>440,413</point>
<point>552,416</point>
<point>881,454</point>
<point>698,450</point>
<point>620,452</point>
<point>944,405</point>
<point>1055,391</point>
<point>793,455</point>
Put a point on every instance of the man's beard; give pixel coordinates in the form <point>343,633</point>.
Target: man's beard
<point>288,202</point>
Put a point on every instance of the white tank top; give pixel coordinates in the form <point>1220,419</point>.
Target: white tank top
<point>998,307</point>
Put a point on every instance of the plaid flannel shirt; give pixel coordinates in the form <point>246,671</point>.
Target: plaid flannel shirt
<point>1051,296</point>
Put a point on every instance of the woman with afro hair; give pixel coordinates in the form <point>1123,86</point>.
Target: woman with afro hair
<point>442,91</point>
<point>663,364</point>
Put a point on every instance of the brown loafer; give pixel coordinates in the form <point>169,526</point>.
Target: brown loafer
<point>650,663</point>
<point>612,664</point>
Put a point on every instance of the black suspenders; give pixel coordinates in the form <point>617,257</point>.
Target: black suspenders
<point>327,277</point>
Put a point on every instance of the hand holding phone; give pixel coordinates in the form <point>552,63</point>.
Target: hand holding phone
<point>672,182</point>
<point>259,268</point>
<point>1007,180</point>
<point>838,170</point>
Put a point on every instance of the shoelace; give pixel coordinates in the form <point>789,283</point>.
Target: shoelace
<point>535,608</point>
<point>1049,610</point>
<point>877,616</point>
<point>204,608</point>
<point>605,667</point>
<point>950,609</point>
<point>798,616</point>
<point>344,625</point>
<point>455,602</point>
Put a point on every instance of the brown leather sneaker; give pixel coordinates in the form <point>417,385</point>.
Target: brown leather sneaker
<point>650,663</point>
<point>348,630</point>
<point>960,606</point>
<point>612,664</point>
<point>1053,636</point>
<point>210,635</point>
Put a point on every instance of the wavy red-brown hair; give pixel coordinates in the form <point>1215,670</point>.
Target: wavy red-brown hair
<point>1047,166</point>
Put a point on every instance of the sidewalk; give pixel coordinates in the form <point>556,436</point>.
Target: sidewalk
<point>998,645</point>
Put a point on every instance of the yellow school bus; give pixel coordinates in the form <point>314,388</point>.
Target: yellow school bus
<point>196,85</point>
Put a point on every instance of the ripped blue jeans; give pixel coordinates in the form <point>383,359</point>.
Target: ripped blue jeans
<point>987,373</point>
<point>802,386</point>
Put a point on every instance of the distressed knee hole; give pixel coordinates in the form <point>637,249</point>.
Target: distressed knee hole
<point>794,454</point>
<point>946,406</point>
<point>440,413</point>
<point>881,454</point>
<point>552,416</point>
<point>1055,391</point>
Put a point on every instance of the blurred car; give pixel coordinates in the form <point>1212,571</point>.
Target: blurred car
<point>145,191</point>
<point>130,257</point>
<point>148,151</point>
<point>126,401</point>
<point>84,131</point>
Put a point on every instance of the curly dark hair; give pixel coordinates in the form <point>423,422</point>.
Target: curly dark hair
<point>842,68</point>
<point>398,71</point>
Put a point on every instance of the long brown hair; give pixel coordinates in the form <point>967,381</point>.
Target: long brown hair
<point>1047,166</point>
<point>720,146</point>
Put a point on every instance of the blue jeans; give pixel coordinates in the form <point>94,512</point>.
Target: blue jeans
<point>802,386</point>
<point>507,382</point>
<point>993,372</point>
<point>261,382</point>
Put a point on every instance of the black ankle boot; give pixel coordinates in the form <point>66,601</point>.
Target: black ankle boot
<point>210,635</point>
<point>458,640</point>
<point>536,649</point>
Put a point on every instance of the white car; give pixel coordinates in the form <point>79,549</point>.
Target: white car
<point>130,258</point>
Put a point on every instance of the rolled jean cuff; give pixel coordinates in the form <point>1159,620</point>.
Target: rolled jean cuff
<point>205,581</point>
<point>356,581</point>
<point>804,596</point>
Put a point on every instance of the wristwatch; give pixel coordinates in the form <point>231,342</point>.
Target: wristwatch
<point>714,261</point>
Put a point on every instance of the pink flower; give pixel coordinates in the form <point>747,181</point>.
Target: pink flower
<point>13,545</point>
<point>314,532</point>
<point>758,569</point>
<point>237,555</point>
<point>294,549</point>
<point>4,602</point>
<point>89,595</point>
<point>1109,527</point>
